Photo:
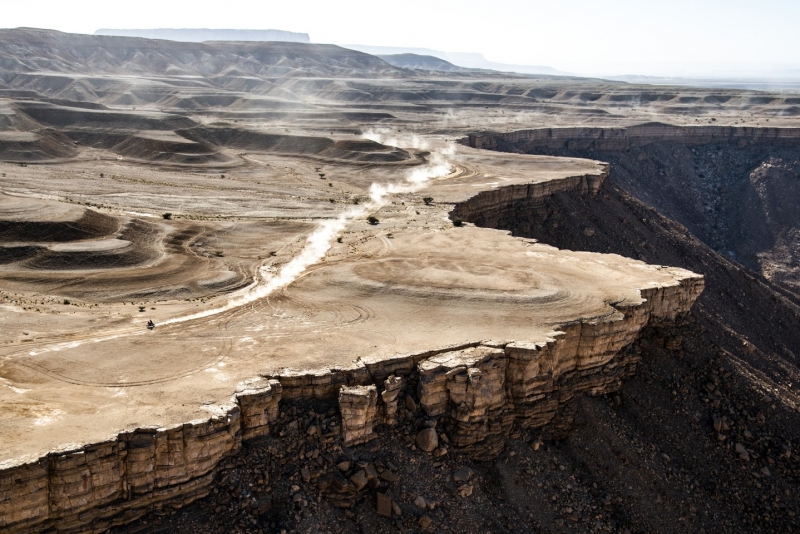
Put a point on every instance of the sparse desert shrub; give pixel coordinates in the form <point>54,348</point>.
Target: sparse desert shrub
<point>219,253</point>
<point>66,302</point>
<point>339,239</point>
<point>166,215</point>
<point>372,220</point>
<point>427,200</point>
<point>142,308</point>
<point>458,222</point>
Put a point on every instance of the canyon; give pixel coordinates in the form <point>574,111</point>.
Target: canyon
<point>362,275</point>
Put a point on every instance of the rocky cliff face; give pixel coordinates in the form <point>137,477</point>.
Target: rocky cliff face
<point>487,207</point>
<point>634,136</point>
<point>471,397</point>
<point>96,486</point>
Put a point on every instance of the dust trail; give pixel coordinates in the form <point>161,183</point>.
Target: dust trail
<point>321,239</point>
<point>385,136</point>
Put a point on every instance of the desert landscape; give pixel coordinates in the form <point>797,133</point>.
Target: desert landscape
<point>389,294</point>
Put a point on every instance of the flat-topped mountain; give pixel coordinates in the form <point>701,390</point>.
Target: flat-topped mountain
<point>198,35</point>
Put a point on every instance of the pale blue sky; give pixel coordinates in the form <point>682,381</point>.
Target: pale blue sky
<point>679,37</point>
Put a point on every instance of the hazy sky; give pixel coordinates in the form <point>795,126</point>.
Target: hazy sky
<point>681,37</point>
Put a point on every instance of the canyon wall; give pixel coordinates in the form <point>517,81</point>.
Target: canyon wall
<point>470,395</point>
<point>486,208</point>
<point>582,138</point>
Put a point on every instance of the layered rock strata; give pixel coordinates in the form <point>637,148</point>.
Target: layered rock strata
<point>583,138</point>
<point>94,487</point>
<point>358,406</point>
<point>258,400</point>
<point>392,387</point>
<point>488,207</point>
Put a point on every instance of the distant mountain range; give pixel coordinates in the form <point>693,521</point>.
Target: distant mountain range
<point>197,35</point>
<point>31,50</point>
<point>461,59</point>
<point>417,61</point>
<point>776,79</point>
